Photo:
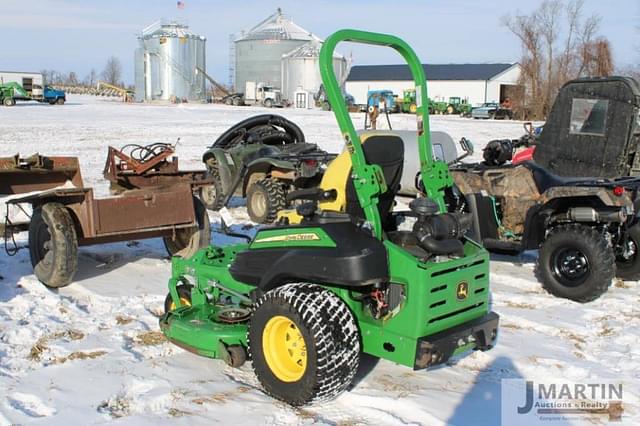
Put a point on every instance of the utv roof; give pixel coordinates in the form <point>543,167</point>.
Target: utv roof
<point>632,84</point>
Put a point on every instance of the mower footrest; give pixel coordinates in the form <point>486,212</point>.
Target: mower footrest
<point>480,333</point>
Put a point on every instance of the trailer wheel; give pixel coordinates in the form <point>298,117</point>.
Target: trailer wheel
<point>304,344</point>
<point>265,198</point>
<point>576,262</point>
<point>53,245</point>
<point>60,101</point>
<point>9,102</point>
<point>188,241</point>
<point>212,195</point>
<point>628,261</point>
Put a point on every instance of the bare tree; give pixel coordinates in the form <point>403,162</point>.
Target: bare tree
<point>72,79</point>
<point>91,79</point>
<point>112,72</point>
<point>558,44</point>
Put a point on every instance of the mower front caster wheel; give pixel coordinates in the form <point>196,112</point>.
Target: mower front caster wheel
<point>304,344</point>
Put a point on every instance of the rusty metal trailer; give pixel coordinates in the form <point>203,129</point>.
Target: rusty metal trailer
<point>66,215</point>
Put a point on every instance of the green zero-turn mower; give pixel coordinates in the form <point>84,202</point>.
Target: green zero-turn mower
<point>303,301</point>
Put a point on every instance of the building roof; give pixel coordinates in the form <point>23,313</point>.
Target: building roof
<point>432,72</point>
<point>277,27</point>
<point>309,50</point>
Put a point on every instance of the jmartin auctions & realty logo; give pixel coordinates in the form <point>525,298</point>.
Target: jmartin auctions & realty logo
<point>532,403</point>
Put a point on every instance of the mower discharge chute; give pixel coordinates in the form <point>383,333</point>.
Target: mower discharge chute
<point>302,301</point>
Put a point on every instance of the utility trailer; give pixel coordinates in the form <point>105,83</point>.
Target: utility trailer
<point>63,215</point>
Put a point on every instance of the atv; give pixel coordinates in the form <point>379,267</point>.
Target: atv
<point>586,229</point>
<point>263,157</point>
<point>304,301</point>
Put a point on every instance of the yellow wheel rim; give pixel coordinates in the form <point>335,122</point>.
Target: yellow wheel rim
<point>412,108</point>
<point>284,348</point>
<point>183,302</point>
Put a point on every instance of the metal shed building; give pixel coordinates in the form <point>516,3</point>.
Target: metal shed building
<point>478,83</point>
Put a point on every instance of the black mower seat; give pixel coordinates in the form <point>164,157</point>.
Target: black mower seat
<point>387,151</point>
<point>546,180</point>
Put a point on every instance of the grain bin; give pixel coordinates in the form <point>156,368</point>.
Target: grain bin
<point>166,62</point>
<point>258,52</point>
<point>301,69</point>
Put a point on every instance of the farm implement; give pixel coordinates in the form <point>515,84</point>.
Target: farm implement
<point>61,214</point>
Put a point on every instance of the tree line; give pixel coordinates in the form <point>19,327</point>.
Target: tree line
<point>111,73</point>
<point>559,43</point>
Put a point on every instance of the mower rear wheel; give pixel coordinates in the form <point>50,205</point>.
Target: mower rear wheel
<point>53,245</point>
<point>304,344</point>
<point>187,241</point>
<point>628,262</point>
<point>265,198</point>
<point>184,293</point>
<point>576,262</point>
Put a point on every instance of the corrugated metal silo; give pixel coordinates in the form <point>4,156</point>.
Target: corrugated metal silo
<point>301,69</point>
<point>258,53</point>
<point>166,62</point>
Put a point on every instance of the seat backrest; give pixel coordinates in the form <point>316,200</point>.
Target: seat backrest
<point>384,150</point>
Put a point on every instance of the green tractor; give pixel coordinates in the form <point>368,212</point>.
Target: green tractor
<point>459,106</point>
<point>408,102</point>
<point>10,91</point>
<point>304,301</point>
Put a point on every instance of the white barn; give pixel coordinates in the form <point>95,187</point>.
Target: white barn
<point>26,79</point>
<point>478,83</point>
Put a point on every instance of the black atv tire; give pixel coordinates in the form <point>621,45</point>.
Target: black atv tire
<point>265,198</point>
<point>53,245</point>
<point>184,293</point>
<point>212,196</point>
<point>629,269</point>
<point>576,262</point>
<point>188,241</point>
<point>330,338</point>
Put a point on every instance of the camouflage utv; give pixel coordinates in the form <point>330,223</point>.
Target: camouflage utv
<point>586,229</point>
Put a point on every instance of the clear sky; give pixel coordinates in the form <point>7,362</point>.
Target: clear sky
<point>74,35</point>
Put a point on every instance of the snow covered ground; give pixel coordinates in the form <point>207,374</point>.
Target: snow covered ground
<point>91,352</point>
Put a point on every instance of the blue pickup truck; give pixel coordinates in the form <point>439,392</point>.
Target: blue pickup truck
<point>48,94</point>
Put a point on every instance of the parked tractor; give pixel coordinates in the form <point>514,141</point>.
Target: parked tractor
<point>302,302</point>
<point>407,103</point>
<point>11,91</point>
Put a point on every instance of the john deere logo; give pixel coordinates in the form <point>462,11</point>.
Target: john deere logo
<point>462,291</point>
<point>309,236</point>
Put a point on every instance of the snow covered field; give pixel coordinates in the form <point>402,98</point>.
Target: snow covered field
<point>92,353</point>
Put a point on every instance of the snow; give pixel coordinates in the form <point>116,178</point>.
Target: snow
<point>91,353</point>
